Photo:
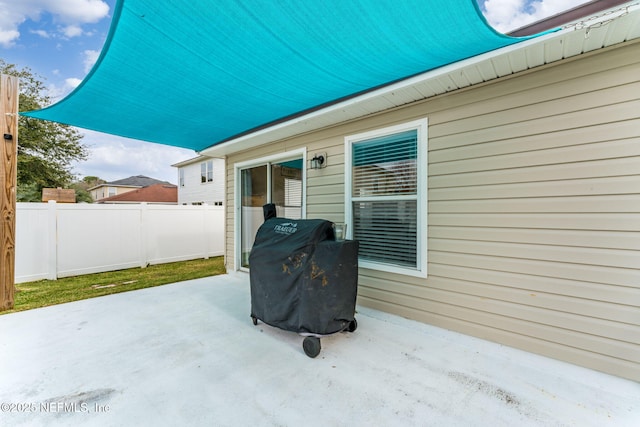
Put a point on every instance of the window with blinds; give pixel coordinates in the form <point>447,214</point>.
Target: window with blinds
<point>385,200</point>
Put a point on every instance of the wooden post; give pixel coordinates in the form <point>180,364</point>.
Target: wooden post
<point>8,183</point>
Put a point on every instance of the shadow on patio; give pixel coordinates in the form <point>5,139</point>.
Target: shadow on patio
<point>188,354</point>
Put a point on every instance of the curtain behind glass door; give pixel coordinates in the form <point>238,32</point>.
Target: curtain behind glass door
<point>286,188</point>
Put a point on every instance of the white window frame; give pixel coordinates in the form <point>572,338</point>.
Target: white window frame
<point>209,170</point>
<point>207,174</point>
<point>237,168</point>
<point>421,126</point>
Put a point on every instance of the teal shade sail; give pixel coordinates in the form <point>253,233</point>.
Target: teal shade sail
<point>194,73</point>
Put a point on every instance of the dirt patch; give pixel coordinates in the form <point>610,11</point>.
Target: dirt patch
<point>113,285</point>
<point>485,388</point>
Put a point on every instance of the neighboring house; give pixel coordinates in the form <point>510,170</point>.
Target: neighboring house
<point>201,181</point>
<point>165,194</point>
<point>498,196</point>
<point>114,188</point>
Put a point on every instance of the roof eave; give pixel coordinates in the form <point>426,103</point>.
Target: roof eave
<point>190,161</point>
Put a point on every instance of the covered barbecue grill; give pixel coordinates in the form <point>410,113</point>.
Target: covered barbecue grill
<point>302,279</point>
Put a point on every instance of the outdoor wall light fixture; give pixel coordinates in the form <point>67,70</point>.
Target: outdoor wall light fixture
<point>319,161</point>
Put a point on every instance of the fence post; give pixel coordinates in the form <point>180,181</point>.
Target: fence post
<point>206,228</point>
<point>8,183</point>
<point>144,231</point>
<point>52,234</point>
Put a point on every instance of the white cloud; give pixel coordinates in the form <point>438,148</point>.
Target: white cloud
<point>90,58</point>
<point>507,15</point>
<point>112,158</point>
<point>75,11</point>
<point>10,19</point>
<point>71,14</point>
<point>8,37</point>
<point>41,33</point>
<point>56,93</point>
<point>72,82</point>
<point>71,31</point>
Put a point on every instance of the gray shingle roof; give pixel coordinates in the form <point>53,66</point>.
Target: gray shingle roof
<point>137,181</point>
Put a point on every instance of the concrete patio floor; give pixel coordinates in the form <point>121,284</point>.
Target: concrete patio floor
<point>188,354</point>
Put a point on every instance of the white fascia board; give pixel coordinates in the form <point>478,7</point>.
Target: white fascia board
<point>196,159</point>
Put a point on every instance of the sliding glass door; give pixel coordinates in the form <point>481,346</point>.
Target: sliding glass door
<point>270,182</point>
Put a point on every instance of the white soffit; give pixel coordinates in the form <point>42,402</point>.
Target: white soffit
<point>605,29</point>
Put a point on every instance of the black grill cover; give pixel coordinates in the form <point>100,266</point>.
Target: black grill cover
<point>302,280</point>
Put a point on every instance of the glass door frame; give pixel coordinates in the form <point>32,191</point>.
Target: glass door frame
<point>237,192</point>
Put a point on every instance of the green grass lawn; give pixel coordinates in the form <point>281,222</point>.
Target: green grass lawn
<point>50,292</point>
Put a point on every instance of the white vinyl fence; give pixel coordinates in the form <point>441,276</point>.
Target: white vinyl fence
<point>58,240</point>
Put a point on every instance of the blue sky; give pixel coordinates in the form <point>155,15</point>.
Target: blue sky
<point>60,40</point>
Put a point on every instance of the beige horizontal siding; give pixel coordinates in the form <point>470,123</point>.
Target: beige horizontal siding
<point>558,114</point>
<point>582,272</point>
<point>625,148</point>
<point>533,210</point>
<point>563,238</point>
<point>563,221</point>
<point>328,188</point>
<point>562,254</point>
<point>229,249</point>
<point>604,204</point>
<point>554,172</point>
<point>558,188</point>
<point>573,296</point>
<point>464,305</point>
<point>592,133</point>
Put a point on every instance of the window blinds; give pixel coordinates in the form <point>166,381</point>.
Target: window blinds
<point>385,165</point>
<point>384,198</point>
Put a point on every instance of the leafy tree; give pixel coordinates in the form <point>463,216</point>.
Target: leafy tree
<point>29,193</point>
<point>46,150</point>
<point>82,195</point>
<point>92,181</point>
<point>82,188</point>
